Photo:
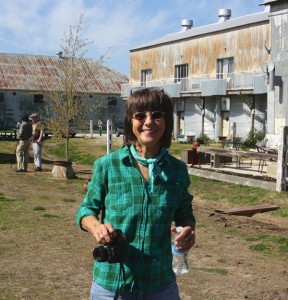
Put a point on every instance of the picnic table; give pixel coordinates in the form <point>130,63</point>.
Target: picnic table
<point>216,154</point>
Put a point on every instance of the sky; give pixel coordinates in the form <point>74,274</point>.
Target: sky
<point>112,27</point>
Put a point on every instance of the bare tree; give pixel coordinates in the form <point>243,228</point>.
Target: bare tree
<point>66,107</point>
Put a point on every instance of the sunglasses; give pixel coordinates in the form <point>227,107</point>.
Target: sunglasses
<point>155,115</point>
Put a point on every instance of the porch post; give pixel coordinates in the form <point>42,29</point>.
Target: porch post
<point>282,159</point>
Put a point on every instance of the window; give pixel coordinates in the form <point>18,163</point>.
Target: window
<point>146,77</point>
<point>112,100</point>
<point>224,67</point>
<point>181,71</point>
<point>38,98</point>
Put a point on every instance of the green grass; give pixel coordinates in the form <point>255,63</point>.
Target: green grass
<point>176,148</point>
<point>223,272</point>
<point>270,245</point>
<point>56,148</point>
<point>69,200</point>
<point>222,260</point>
<point>282,212</point>
<point>39,208</point>
<point>50,216</point>
<point>238,195</point>
<point>85,151</point>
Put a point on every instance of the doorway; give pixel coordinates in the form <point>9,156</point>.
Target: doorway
<point>181,124</point>
<point>225,116</point>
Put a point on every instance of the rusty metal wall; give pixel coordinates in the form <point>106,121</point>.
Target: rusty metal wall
<point>245,44</point>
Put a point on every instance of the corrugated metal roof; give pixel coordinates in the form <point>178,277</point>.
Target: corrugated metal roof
<point>37,72</point>
<point>193,32</point>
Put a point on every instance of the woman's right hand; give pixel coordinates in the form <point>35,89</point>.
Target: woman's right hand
<point>102,233</point>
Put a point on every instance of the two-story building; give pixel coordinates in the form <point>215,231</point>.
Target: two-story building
<point>277,69</point>
<point>24,80</point>
<point>218,75</point>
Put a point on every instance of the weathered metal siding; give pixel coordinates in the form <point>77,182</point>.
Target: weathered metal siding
<point>240,114</point>
<point>209,117</point>
<point>17,103</point>
<point>192,117</point>
<point>245,44</point>
<point>279,55</point>
<point>260,112</point>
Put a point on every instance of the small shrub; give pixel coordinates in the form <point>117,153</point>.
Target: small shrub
<point>203,138</point>
<point>254,137</point>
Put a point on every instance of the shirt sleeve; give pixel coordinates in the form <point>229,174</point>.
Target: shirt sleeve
<point>184,213</point>
<point>93,202</point>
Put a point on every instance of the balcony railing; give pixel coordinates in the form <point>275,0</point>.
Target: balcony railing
<point>234,81</point>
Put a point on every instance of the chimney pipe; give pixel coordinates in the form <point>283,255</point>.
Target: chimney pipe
<point>224,14</point>
<point>186,24</point>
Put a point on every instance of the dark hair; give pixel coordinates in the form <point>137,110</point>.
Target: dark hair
<point>25,117</point>
<point>149,99</point>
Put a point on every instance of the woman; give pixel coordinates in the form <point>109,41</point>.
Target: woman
<point>140,189</point>
<point>37,141</point>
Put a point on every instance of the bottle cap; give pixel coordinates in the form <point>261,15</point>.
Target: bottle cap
<point>179,229</point>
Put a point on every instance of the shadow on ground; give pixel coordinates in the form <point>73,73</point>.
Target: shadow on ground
<point>10,158</point>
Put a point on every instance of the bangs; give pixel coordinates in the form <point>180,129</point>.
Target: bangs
<point>144,104</point>
<point>144,100</point>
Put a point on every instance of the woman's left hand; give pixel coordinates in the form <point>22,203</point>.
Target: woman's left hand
<point>185,239</point>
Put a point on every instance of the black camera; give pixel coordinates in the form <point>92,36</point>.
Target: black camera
<point>114,252</point>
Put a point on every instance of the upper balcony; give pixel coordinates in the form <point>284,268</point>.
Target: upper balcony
<point>206,85</point>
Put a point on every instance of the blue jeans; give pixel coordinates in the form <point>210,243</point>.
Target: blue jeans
<point>37,151</point>
<point>169,291</point>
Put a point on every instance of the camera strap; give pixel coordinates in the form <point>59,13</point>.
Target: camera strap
<point>121,278</point>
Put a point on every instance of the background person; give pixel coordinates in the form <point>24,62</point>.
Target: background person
<point>100,126</point>
<point>140,189</point>
<point>195,153</point>
<point>37,139</point>
<point>24,134</point>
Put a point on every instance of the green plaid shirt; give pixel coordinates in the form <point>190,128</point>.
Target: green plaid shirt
<point>144,219</point>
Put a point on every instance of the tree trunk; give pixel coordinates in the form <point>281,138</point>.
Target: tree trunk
<point>67,149</point>
<point>63,170</point>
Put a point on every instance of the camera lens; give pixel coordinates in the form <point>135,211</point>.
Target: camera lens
<point>100,254</point>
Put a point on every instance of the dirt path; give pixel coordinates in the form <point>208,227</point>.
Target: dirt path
<point>44,256</point>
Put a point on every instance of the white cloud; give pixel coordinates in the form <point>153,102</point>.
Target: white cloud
<point>38,26</point>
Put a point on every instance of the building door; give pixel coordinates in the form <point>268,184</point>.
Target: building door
<point>180,126</point>
<point>225,115</point>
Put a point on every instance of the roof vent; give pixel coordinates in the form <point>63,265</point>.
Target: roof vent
<point>186,24</point>
<point>224,14</point>
<point>60,54</point>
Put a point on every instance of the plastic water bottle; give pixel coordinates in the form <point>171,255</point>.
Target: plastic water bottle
<point>180,259</point>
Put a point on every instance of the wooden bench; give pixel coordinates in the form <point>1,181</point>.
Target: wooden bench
<point>248,211</point>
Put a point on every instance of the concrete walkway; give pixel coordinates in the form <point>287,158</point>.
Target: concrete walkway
<point>247,174</point>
